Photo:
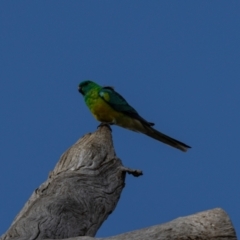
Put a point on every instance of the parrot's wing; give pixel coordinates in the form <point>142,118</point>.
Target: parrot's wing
<point>118,103</point>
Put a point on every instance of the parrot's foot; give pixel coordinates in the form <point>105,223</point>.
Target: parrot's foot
<point>105,124</point>
<point>134,172</point>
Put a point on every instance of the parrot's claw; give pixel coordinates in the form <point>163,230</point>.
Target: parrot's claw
<point>105,124</point>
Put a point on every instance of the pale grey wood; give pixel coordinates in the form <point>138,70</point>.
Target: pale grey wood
<point>80,193</point>
<point>208,225</point>
<point>84,188</point>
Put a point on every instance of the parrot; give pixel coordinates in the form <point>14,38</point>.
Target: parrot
<point>109,107</point>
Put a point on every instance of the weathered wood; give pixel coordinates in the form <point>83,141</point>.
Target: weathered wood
<point>84,188</point>
<point>212,224</point>
<point>79,194</point>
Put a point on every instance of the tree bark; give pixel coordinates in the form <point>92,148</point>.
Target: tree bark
<point>208,225</point>
<point>79,194</point>
<point>84,188</point>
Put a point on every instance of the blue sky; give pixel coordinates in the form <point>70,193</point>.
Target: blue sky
<point>176,62</point>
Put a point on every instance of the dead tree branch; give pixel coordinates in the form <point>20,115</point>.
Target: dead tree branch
<point>84,188</point>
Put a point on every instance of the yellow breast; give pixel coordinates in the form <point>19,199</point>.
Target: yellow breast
<point>101,110</point>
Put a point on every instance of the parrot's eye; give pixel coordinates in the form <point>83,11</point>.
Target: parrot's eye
<point>83,87</point>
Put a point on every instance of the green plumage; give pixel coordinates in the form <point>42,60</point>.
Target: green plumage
<point>108,106</point>
<point>118,103</point>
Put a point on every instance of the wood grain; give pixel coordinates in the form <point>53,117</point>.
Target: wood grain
<point>84,188</point>
<point>80,193</point>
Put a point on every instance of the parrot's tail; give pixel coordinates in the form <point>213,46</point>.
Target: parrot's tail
<point>139,125</point>
<point>151,132</point>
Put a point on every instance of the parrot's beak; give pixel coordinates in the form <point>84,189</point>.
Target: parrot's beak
<point>80,90</point>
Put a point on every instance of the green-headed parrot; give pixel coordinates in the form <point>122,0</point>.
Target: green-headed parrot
<point>108,106</point>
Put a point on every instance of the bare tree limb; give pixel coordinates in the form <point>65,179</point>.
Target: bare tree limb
<point>212,224</point>
<point>80,193</point>
<point>84,188</point>
<point>208,225</point>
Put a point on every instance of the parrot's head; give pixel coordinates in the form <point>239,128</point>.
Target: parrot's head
<point>85,86</point>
